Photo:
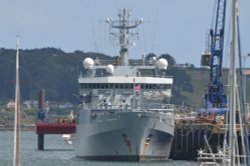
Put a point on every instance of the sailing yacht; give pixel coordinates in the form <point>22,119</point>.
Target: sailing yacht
<point>230,152</point>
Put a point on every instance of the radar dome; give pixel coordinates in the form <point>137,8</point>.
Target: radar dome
<point>88,63</point>
<point>110,69</point>
<point>162,63</point>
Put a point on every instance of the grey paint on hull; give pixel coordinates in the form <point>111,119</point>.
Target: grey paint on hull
<point>125,136</point>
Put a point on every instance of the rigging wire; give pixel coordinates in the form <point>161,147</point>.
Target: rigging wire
<point>145,36</point>
<point>102,29</point>
<point>93,32</point>
<point>92,27</point>
<point>241,127</point>
<point>242,89</point>
<point>153,37</point>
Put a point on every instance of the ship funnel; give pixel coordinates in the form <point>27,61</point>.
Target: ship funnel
<point>88,63</point>
<point>162,63</point>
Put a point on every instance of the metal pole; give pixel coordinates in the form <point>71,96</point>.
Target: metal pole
<point>17,125</point>
<point>245,80</point>
<point>232,106</point>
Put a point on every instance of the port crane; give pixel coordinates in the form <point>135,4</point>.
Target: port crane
<point>215,100</point>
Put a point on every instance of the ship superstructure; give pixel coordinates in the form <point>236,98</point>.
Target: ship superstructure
<point>125,112</point>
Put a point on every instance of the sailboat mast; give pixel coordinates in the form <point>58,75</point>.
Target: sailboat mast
<point>232,106</point>
<point>17,123</point>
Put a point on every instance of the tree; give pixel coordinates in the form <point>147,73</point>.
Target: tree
<point>181,84</point>
<point>150,56</point>
<point>46,68</point>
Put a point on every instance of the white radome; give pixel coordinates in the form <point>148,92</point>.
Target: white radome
<point>162,63</point>
<point>88,63</point>
<point>110,68</point>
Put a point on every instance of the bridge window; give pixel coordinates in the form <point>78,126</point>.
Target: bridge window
<point>116,86</point>
<point>123,86</point>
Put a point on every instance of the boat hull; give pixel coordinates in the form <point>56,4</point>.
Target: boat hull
<point>126,136</point>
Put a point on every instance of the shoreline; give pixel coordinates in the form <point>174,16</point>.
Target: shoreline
<point>23,128</point>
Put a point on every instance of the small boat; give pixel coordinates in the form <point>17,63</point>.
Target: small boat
<point>67,138</point>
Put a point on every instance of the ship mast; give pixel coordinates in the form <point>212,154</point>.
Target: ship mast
<point>124,25</point>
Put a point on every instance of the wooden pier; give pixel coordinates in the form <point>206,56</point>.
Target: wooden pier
<point>189,138</point>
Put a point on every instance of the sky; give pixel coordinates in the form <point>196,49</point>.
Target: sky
<point>175,27</point>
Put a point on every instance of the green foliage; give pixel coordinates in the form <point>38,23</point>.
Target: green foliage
<point>57,72</point>
<point>47,68</point>
<point>6,116</point>
<point>30,112</point>
<point>150,56</point>
<point>181,84</point>
<point>199,80</point>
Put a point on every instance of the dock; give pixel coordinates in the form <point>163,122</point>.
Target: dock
<point>60,128</point>
<point>189,138</point>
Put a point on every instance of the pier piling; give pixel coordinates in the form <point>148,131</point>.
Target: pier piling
<point>40,142</point>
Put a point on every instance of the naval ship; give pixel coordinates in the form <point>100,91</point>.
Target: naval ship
<point>125,112</point>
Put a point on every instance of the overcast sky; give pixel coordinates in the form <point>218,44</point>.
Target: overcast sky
<point>176,27</point>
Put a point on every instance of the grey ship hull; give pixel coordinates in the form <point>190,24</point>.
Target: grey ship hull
<point>126,136</point>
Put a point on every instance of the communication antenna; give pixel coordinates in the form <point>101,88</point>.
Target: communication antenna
<point>124,27</point>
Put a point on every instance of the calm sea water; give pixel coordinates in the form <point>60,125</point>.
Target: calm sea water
<point>58,153</point>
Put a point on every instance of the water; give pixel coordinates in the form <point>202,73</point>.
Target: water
<point>58,153</point>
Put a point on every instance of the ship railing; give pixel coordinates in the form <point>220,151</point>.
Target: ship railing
<point>157,76</point>
<point>132,62</point>
<point>180,110</point>
<point>159,107</point>
<point>151,105</point>
<point>168,119</point>
<point>106,75</point>
<point>156,114</point>
<point>118,108</point>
